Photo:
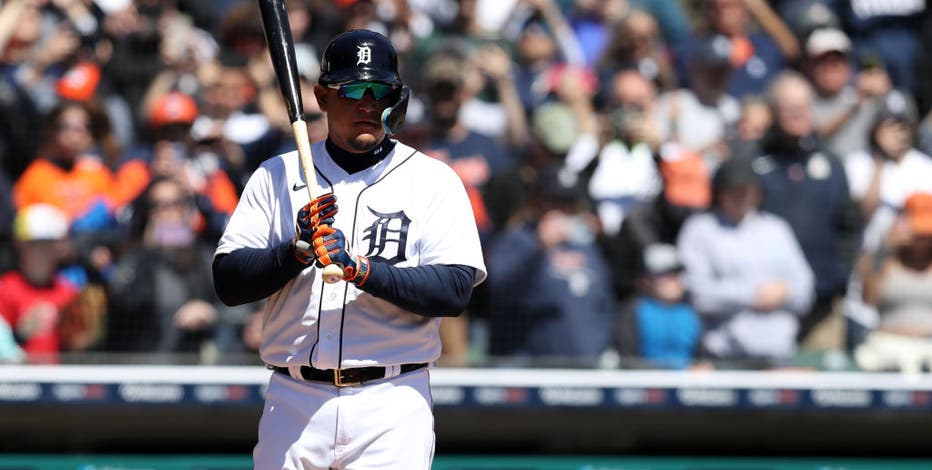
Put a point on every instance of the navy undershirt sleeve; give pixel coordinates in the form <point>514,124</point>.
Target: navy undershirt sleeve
<point>433,291</point>
<point>250,274</point>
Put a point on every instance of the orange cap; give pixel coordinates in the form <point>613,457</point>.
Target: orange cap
<point>686,180</point>
<point>918,208</point>
<point>173,108</point>
<point>79,83</point>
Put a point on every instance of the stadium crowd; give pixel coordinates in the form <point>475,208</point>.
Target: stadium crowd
<point>657,183</point>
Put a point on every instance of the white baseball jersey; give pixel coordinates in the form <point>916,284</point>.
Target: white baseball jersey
<point>407,210</point>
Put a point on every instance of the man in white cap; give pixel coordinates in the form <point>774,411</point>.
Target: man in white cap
<point>35,301</point>
<point>845,102</point>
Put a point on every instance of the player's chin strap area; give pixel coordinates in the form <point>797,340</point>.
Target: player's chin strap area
<point>393,117</point>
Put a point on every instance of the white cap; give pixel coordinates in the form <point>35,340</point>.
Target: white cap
<point>825,40</point>
<point>112,6</point>
<point>660,258</point>
<point>40,222</point>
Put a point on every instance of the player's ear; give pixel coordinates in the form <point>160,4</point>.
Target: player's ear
<point>320,92</point>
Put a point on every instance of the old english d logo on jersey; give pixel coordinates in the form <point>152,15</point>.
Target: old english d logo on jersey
<point>387,236</point>
<point>363,54</point>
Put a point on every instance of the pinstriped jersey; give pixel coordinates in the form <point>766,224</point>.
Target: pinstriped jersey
<point>406,210</point>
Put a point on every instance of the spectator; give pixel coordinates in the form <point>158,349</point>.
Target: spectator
<point>897,282</point>
<point>880,179</point>
<point>550,293</point>
<point>699,118</point>
<point>187,54</point>
<point>161,299</point>
<point>592,21</point>
<point>133,35</point>
<point>845,102</point>
<point>49,43</point>
<point>169,118</point>
<point>750,299</point>
<point>751,128</point>
<point>886,32</point>
<point>20,117</point>
<point>636,43</point>
<point>754,56</point>
<point>229,116</point>
<point>544,44</point>
<point>39,304</point>
<point>891,168</point>
<point>84,83</point>
<point>489,74</point>
<point>476,158</point>
<point>69,175</point>
<point>625,175</point>
<point>686,190</point>
<point>660,327</point>
<point>196,163</point>
<point>808,188</point>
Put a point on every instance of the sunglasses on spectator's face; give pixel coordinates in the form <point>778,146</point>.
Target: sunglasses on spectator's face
<point>356,90</point>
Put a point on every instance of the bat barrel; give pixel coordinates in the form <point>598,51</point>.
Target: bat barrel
<point>281,49</point>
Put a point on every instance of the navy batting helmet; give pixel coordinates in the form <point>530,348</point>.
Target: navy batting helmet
<point>363,55</point>
<point>359,54</point>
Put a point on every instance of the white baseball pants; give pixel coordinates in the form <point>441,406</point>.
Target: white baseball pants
<point>384,424</point>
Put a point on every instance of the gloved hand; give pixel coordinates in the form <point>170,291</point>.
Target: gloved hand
<point>330,248</point>
<point>314,217</point>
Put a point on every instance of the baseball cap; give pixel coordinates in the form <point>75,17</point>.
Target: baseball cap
<point>825,40</point>
<point>79,83</point>
<point>661,258</point>
<point>733,172</point>
<point>898,106</point>
<point>918,209</point>
<point>686,180</point>
<point>554,184</point>
<point>582,77</point>
<point>555,125</point>
<point>40,222</point>
<point>444,68</point>
<point>712,51</point>
<point>813,16</point>
<point>173,108</point>
<point>112,6</point>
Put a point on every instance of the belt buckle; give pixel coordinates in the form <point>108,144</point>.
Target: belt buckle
<point>339,382</point>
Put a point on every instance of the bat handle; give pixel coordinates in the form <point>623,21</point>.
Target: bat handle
<point>332,273</point>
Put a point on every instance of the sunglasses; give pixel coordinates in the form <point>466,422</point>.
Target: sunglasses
<point>167,204</point>
<point>356,90</point>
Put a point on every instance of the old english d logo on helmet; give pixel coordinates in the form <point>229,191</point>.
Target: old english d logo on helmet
<point>359,54</point>
<point>363,54</point>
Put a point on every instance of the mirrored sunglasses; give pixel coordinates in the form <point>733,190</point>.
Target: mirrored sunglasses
<point>357,90</point>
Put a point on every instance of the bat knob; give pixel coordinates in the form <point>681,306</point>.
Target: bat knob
<point>332,274</point>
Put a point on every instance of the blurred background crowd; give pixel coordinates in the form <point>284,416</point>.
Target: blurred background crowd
<point>683,184</point>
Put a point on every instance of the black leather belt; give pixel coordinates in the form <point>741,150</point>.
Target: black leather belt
<point>347,377</point>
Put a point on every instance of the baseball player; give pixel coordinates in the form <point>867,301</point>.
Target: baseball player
<point>350,387</point>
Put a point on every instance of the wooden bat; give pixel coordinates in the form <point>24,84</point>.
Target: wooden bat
<point>281,49</point>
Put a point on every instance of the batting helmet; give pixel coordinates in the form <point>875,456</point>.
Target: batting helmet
<point>363,55</point>
<point>359,54</point>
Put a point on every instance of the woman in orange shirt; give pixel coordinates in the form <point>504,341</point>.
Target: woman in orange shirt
<point>69,173</point>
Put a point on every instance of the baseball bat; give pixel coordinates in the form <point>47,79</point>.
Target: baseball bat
<point>281,49</point>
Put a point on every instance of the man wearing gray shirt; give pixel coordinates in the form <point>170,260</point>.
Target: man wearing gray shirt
<point>747,275</point>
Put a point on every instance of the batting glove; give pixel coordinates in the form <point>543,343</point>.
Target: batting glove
<point>314,218</point>
<point>330,248</point>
